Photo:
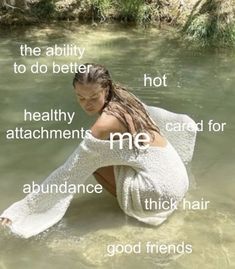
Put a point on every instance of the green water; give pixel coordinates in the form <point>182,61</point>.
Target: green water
<point>200,84</point>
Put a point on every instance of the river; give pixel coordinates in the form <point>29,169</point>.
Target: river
<point>200,83</point>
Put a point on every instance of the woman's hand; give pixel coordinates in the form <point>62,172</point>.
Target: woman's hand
<point>5,221</point>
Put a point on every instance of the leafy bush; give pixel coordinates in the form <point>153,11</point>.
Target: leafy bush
<point>209,31</point>
<point>145,14</point>
<point>213,24</point>
<point>101,8</point>
<point>43,9</point>
<point>129,9</point>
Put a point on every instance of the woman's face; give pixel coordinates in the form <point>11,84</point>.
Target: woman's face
<point>91,97</point>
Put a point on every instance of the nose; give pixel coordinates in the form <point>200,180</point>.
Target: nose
<point>88,103</point>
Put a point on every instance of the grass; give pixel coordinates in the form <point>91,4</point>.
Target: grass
<point>213,25</point>
<point>101,9</point>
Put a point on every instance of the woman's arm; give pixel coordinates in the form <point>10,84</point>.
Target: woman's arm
<point>39,211</point>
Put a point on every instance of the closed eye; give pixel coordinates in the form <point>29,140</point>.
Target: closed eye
<point>82,98</point>
<point>95,97</point>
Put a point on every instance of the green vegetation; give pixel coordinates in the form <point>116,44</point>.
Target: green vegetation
<point>101,9</point>
<point>94,10</point>
<point>145,15</point>
<point>136,11</point>
<point>212,25</point>
<point>129,9</point>
<point>43,9</point>
<point>204,22</point>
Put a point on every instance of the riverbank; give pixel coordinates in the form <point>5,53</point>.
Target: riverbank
<point>206,22</point>
<point>141,12</point>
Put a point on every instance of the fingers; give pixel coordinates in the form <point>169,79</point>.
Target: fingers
<point>5,221</point>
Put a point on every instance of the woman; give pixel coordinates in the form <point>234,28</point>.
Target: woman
<point>143,175</point>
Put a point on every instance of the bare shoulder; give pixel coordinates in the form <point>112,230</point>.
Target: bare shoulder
<point>105,125</point>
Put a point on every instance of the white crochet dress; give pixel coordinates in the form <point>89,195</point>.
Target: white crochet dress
<point>156,173</point>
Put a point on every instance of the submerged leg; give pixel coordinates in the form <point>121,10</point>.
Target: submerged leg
<point>105,176</point>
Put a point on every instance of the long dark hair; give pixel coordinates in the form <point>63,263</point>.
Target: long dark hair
<point>119,102</point>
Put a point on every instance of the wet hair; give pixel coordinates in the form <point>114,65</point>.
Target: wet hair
<point>119,102</point>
